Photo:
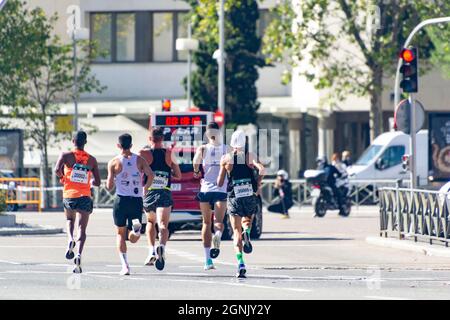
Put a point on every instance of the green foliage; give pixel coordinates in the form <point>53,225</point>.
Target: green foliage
<point>338,46</point>
<point>2,201</point>
<point>242,46</point>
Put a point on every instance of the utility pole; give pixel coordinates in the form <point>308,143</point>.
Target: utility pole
<point>75,73</point>
<point>221,58</point>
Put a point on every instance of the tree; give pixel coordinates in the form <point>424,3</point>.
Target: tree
<point>37,73</point>
<point>348,47</point>
<point>242,59</point>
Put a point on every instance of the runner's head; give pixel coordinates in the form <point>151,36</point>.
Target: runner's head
<point>238,140</point>
<point>213,131</point>
<point>156,135</point>
<point>125,142</point>
<point>79,139</point>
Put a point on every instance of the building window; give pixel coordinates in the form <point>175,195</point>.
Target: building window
<point>138,36</point>
<point>125,37</point>
<point>101,34</point>
<point>182,32</point>
<point>163,37</point>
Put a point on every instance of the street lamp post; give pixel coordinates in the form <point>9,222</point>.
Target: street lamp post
<point>188,44</point>
<point>221,58</point>
<point>76,34</point>
<point>2,3</point>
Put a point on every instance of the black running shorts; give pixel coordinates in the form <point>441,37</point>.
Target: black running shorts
<point>158,198</point>
<point>127,209</point>
<point>243,207</point>
<point>83,204</point>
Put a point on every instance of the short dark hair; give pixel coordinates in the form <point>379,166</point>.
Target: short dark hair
<point>125,141</point>
<point>157,134</point>
<point>80,138</point>
<point>213,125</point>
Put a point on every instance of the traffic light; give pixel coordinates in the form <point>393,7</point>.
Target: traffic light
<point>409,70</point>
<point>406,162</point>
<point>166,105</point>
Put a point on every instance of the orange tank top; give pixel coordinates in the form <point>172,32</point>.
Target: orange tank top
<point>77,180</point>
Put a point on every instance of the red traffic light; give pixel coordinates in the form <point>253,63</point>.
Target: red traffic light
<point>407,55</point>
<point>166,105</point>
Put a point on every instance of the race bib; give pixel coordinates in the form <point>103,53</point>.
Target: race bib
<point>243,188</point>
<point>161,180</point>
<point>80,174</point>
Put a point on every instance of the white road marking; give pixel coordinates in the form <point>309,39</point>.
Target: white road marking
<point>10,262</point>
<point>386,298</point>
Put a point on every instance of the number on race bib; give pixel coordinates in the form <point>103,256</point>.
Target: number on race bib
<point>243,188</point>
<point>80,174</point>
<point>161,180</point>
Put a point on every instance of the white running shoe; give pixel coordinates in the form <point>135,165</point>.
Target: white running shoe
<point>137,227</point>
<point>77,261</point>
<point>125,271</point>
<point>150,261</point>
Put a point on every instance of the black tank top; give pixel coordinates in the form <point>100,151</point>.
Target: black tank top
<point>162,171</point>
<point>241,176</point>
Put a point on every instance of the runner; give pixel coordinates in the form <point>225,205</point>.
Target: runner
<point>125,173</point>
<point>211,196</point>
<point>158,200</point>
<point>242,190</point>
<point>75,170</point>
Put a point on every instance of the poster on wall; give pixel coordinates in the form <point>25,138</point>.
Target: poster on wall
<point>11,151</point>
<point>439,150</point>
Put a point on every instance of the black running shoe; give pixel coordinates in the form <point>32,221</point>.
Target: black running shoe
<point>69,253</point>
<point>241,271</point>
<point>160,262</point>
<point>77,268</point>
<point>215,250</point>
<point>248,248</point>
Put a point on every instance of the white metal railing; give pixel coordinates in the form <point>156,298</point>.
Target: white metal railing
<point>415,213</point>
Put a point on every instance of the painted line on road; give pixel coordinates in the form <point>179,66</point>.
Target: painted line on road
<point>386,298</point>
<point>10,262</point>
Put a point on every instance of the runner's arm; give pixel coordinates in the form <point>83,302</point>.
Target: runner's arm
<point>96,173</point>
<point>198,157</point>
<point>222,172</point>
<point>147,171</point>
<point>261,169</point>
<point>176,171</point>
<point>111,175</point>
<point>59,167</point>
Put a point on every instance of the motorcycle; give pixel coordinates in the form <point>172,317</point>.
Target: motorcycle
<point>322,195</point>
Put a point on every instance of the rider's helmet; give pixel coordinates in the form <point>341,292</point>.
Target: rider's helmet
<point>321,162</point>
<point>283,174</point>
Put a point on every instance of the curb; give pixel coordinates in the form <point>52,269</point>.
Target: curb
<point>422,248</point>
<point>30,230</point>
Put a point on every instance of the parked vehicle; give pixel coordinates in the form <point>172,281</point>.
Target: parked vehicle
<point>383,158</point>
<point>323,197</point>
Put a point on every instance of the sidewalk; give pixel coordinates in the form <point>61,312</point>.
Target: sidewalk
<point>436,250</point>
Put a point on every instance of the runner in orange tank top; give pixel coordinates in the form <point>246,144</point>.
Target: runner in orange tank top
<point>76,169</point>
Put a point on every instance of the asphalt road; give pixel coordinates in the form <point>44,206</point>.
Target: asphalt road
<point>299,258</point>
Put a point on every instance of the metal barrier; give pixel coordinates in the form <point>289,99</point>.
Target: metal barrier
<point>415,213</point>
<point>363,192</point>
<point>22,191</point>
<point>103,198</point>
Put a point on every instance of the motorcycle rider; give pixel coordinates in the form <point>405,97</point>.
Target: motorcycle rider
<point>331,173</point>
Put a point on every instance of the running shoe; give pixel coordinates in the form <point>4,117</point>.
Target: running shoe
<point>285,216</point>
<point>209,265</point>
<point>69,252</point>
<point>77,268</point>
<point>241,271</point>
<point>215,250</point>
<point>150,261</point>
<point>160,262</point>
<point>125,271</point>
<point>248,248</point>
<point>137,227</point>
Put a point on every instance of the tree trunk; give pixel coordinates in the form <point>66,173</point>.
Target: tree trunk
<point>376,112</point>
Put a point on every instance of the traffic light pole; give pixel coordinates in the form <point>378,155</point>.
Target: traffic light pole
<point>412,134</point>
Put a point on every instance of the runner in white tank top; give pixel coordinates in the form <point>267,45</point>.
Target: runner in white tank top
<point>125,174</point>
<point>129,181</point>
<point>211,196</point>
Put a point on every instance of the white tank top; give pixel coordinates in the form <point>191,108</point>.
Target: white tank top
<point>211,168</point>
<point>129,180</point>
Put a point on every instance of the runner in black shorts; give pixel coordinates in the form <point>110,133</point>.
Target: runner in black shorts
<point>125,172</point>
<point>242,190</point>
<point>158,200</point>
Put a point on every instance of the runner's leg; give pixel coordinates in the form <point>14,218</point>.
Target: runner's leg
<point>122,249</point>
<point>151,237</point>
<point>246,225</point>
<point>163,216</point>
<point>219,213</point>
<point>83,220</point>
<point>205,207</point>
<point>236,223</point>
<point>70,225</point>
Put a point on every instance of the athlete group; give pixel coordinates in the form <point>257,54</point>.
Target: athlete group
<point>230,177</point>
